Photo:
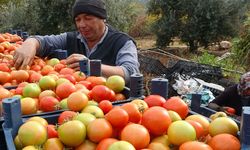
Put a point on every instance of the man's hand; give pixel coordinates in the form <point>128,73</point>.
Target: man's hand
<point>24,55</point>
<point>73,61</point>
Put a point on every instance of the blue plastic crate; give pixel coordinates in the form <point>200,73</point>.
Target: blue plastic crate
<point>13,120</point>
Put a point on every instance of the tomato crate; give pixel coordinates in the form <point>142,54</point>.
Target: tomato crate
<point>203,110</point>
<point>13,120</point>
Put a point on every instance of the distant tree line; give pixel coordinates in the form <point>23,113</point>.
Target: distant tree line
<point>197,22</point>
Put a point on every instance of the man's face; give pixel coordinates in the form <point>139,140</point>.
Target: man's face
<point>90,27</point>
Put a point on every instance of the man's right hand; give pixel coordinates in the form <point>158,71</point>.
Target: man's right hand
<point>24,55</point>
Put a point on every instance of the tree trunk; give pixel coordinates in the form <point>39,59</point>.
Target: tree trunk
<point>193,46</point>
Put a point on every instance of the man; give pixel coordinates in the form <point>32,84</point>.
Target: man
<point>94,40</point>
<point>234,96</point>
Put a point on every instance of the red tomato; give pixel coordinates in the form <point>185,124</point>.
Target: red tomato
<point>66,71</point>
<point>70,77</point>
<point>66,116</point>
<point>4,67</point>
<point>105,105</point>
<point>87,84</point>
<point>176,104</point>
<point>105,143</point>
<point>48,103</point>
<point>154,100</point>
<point>136,134</point>
<point>77,101</point>
<point>118,117</point>
<point>79,76</point>
<point>58,67</point>
<point>4,77</point>
<point>62,92</point>
<point>98,130</point>
<point>133,112</point>
<point>100,92</point>
<point>52,132</point>
<point>156,119</point>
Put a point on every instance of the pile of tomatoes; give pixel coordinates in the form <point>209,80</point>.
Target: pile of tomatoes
<point>153,124</point>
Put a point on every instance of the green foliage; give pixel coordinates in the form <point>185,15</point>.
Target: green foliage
<point>122,14</point>
<point>53,17</point>
<point>228,66</point>
<point>196,22</point>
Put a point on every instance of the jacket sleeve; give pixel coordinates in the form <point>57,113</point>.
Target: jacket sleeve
<point>127,58</point>
<point>49,43</point>
<point>228,95</point>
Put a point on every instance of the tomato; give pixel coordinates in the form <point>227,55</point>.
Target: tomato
<point>66,116</point>
<point>100,92</point>
<point>115,83</point>
<point>79,76</point>
<point>85,118</point>
<point>224,142</point>
<point>31,90</point>
<point>34,77</point>
<point>198,128</point>
<point>4,93</point>
<point>119,96</point>
<point>180,132</point>
<point>202,120</point>
<point>178,105</point>
<point>194,145</point>
<point>96,80</point>
<point>4,77</point>
<point>121,145</point>
<point>40,120</point>
<point>32,133</point>
<point>86,145</point>
<point>52,132</point>
<point>62,93</point>
<point>28,106</point>
<point>48,103</point>
<point>61,80</point>
<point>136,134</point>
<point>70,77</point>
<point>118,117</point>
<point>154,100</point>
<point>223,125</point>
<point>35,67</point>
<point>141,104</point>
<point>163,139</point>
<point>133,112</point>
<point>47,83</point>
<point>174,115</point>
<point>99,129</point>
<point>157,146</point>
<point>66,71</point>
<point>94,110</point>
<point>19,75</point>
<point>59,67</point>
<point>156,119</point>
<point>53,144</point>
<point>72,133</point>
<point>4,67</point>
<point>87,84</point>
<point>230,110</point>
<point>105,105</point>
<point>53,61</point>
<point>46,70</point>
<point>47,93</point>
<point>105,143</point>
<point>77,101</point>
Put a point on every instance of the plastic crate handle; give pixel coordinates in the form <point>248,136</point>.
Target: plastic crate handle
<point>12,114</point>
